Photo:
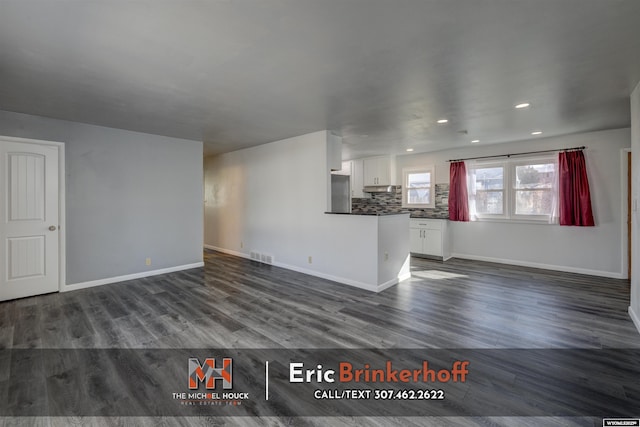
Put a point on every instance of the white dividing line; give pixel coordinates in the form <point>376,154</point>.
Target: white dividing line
<point>266,384</point>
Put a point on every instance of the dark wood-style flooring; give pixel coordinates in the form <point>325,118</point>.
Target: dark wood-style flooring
<point>237,303</point>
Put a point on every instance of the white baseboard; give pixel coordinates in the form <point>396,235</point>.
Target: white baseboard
<point>354,283</point>
<point>109,280</point>
<point>394,281</point>
<point>350,282</point>
<point>566,269</point>
<point>635,318</point>
<point>228,251</point>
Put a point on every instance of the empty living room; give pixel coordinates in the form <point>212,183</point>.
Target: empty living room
<point>280,212</point>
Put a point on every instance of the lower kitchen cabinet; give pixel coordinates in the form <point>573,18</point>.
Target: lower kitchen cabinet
<point>429,237</point>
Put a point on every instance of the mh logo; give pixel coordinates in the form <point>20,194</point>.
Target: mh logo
<point>208,373</point>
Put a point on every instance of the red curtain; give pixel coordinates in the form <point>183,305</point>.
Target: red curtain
<point>574,196</point>
<point>458,196</point>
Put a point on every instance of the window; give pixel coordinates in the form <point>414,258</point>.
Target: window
<point>418,187</point>
<point>514,189</point>
<point>533,190</point>
<point>490,191</point>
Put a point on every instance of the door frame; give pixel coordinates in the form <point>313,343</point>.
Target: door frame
<point>624,170</point>
<point>62,219</point>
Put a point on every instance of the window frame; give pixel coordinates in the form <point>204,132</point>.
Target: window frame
<point>509,191</point>
<point>514,191</point>
<point>487,165</point>
<point>430,169</point>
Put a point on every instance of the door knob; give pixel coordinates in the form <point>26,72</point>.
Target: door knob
<point>52,228</point>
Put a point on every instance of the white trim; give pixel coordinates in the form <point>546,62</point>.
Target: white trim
<point>228,251</point>
<point>509,190</point>
<point>553,267</point>
<point>344,281</point>
<point>430,169</point>
<point>394,281</point>
<point>624,259</point>
<point>62,204</point>
<point>62,218</point>
<point>635,318</point>
<point>141,275</point>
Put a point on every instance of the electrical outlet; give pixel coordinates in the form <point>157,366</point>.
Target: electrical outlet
<point>241,245</point>
<point>310,260</point>
<point>386,256</point>
<point>147,261</point>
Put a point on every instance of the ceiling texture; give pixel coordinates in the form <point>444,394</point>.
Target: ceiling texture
<point>238,73</point>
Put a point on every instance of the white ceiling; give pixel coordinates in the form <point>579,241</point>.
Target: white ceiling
<point>237,73</point>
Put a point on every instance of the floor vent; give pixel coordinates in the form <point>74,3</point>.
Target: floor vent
<point>263,258</point>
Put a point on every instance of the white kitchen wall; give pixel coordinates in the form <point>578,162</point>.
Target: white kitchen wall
<point>129,196</point>
<point>271,199</point>
<point>592,250</point>
<point>634,308</point>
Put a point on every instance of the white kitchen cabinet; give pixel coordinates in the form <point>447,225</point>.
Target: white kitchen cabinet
<point>353,168</point>
<point>379,170</point>
<point>357,178</point>
<point>334,151</point>
<point>346,169</point>
<point>416,241</point>
<point>429,237</point>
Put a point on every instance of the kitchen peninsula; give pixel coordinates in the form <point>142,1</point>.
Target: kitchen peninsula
<point>381,253</point>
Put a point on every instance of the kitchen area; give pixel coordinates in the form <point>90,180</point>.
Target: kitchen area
<point>370,187</point>
<point>368,193</point>
<point>349,226</point>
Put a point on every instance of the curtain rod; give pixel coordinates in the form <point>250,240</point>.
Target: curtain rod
<point>518,154</point>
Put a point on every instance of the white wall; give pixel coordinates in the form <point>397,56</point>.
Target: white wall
<point>634,308</point>
<point>592,250</point>
<point>129,196</point>
<point>393,238</point>
<point>271,199</point>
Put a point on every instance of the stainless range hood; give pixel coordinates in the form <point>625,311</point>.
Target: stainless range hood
<point>381,188</point>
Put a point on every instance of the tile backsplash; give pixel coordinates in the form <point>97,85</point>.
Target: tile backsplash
<point>392,202</point>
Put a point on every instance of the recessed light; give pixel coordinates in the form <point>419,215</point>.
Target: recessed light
<point>443,121</point>
<point>474,141</point>
<point>538,132</point>
<point>523,105</point>
<point>409,149</point>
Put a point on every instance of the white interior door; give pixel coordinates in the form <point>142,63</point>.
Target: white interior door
<point>29,232</point>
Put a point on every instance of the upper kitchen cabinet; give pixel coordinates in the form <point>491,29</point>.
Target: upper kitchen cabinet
<point>346,169</point>
<point>357,178</point>
<point>334,151</point>
<point>379,170</point>
<point>353,168</point>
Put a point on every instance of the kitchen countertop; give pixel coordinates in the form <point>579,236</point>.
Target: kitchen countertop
<point>386,214</point>
<point>369,214</point>
<point>429,217</point>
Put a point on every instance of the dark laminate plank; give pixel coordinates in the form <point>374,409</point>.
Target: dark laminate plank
<point>27,332</point>
<point>237,303</point>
